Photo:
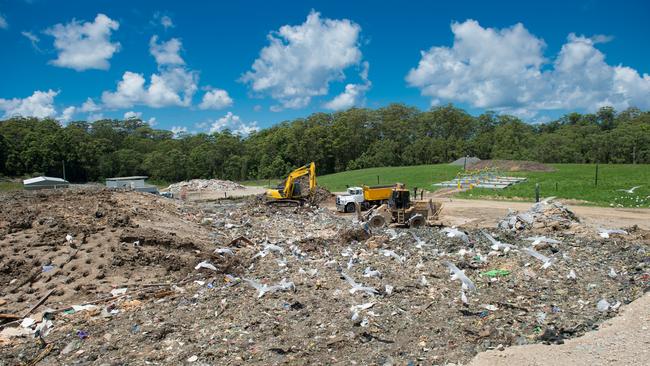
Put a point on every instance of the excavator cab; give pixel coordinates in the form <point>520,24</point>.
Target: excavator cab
<point>290,190</point>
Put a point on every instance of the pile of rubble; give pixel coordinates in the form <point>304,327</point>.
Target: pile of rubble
<point>306,285</point>
<point>204,185</point>
<point>542,216</point>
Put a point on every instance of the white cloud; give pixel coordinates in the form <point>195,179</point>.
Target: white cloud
<point>3,22</point>
<point>83,46</point>
<point>152,121</point>
<point>215,99</point>
<point>132,114</point>
<point>505,70</point>
<point>233,123</point>
<point>177,130</point>
<point>92,117</point>
<point>300,61</point>
<point>40,104</point>
<point>33,39</point>
<point>90,106</point>
<point>67,114</point>
<point>173,85</point>
<point>353,95</point>
<point>166,53</point>
<point>166,22</point>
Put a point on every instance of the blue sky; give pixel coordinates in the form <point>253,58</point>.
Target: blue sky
<point>204,66</point>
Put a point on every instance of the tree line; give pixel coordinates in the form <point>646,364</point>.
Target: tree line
<point>357,138</point>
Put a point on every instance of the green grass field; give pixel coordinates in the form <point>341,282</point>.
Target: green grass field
<point>570,181</point>
<point>10,186</point>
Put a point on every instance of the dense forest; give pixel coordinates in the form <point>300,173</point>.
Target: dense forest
<point>356,138</point>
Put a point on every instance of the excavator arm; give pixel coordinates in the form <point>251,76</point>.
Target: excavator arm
<point>286,190</point>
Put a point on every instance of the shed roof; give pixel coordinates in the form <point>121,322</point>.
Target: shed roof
<point>43,179</point>
<point>461,161</point>
<point>136,177</point>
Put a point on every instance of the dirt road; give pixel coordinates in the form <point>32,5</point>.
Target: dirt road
<point>484,213</point>
<point>623,340</point>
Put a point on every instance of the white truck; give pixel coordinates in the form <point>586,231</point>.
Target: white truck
<point>366,197</point>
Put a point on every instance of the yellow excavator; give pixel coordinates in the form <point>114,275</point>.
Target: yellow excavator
<point>290,191</point>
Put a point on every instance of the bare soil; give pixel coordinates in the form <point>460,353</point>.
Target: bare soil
<point>512,166</point>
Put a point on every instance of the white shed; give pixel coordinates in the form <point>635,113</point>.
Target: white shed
<point>43,182</point>
<point>136,183</point>
<point>126,182</point>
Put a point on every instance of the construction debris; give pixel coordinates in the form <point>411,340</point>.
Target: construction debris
<point>543,216</point>
<point>196,185</point>
<point>290,284</point>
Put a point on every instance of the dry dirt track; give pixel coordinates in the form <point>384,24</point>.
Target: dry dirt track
<point>622,340</point>
<point>484,213</point>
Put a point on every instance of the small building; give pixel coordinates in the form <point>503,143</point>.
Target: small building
<point>136,183</point>
<point>43,182</point>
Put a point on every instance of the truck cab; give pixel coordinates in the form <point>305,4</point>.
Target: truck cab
<point>345,202</point>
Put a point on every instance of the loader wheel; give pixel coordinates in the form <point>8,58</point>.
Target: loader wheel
<point>416,221</point>
<point>349,207</point>
<point>377,221</point>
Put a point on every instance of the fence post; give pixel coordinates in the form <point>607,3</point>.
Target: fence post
<point>377,179</point>
<point>536,192</point>
<point>596,178</point>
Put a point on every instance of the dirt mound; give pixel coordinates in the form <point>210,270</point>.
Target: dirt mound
<point>81,243</point>
<point>512,166</point>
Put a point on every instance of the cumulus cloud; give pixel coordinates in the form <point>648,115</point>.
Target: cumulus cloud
<point>83,46</point>
<point>133,114</point>
<point>353,95</point>
<point>300,61</point>
<point>166,53</point>
<point>178,130</point>
<point>173,85</point>
<point>90,106</point>
<point>3,22</point>
<point>505,69</point>
<point>215,99</point>
<point>67,114</point>
<point>235,124</point>
<point>40,104</point>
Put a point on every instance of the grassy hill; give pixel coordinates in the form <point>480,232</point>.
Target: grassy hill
<point>569,181</point>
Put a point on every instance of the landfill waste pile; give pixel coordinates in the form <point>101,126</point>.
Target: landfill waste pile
<point>196,185</point>
<point>545,215</point>
<point>301,285</point>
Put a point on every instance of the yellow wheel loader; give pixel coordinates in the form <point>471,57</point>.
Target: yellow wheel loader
<point>403,212</point>
<point>291,191</point>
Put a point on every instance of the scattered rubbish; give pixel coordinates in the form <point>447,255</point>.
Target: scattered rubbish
<point>605,233</point>
<point>192,358</point>
<point>205,264</point>
<point>455,233</point>
<point>571,275</point>
<point>119,291</point>
<point>224,251</point>
<point>603,305</point>
<point>490,307</point>
<point>69,238</point>
<point>82,334</point>
<point>612,273</point>
<point>47,268</point>
<point>542,239</point>
<point>368,272</point>
<point>496,273</point>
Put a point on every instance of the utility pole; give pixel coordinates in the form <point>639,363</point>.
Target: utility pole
<point>63,163</point>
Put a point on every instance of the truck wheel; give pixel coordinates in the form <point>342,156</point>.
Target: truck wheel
<point>416,221</point>
<point>349,207</point>
<point>377,221</point>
